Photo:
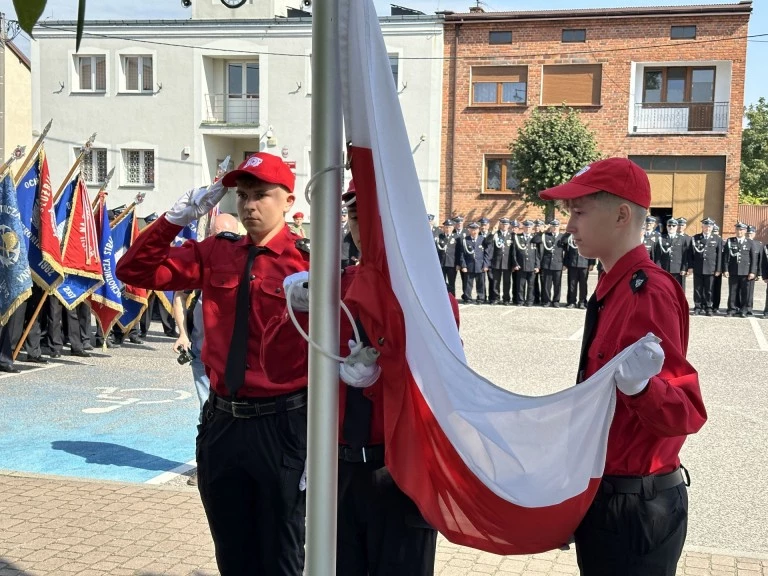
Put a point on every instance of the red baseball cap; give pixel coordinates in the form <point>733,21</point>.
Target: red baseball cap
<point>265,167</point>
<point>618,176</point>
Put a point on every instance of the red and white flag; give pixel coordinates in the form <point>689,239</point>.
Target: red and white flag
<point>490,469</point>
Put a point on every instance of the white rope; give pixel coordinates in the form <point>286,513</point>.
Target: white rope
<point>306,337</point>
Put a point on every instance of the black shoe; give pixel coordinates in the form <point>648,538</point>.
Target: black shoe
<point>135,340</point>
<point>581,306</point>
<point>709,313</point>
<point>9,369</point>
<point>730,313</point>
<point>554,305</point>
<point>528,304</point>
<point>571,306</point>
<point>81,353</point>
<point>87,346</point>
<point>144,334</point>
<point>55,354</point>
<point>36,359</point>
<point>742,315</point>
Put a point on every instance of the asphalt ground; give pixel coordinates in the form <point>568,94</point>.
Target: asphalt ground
<point>129,414</point>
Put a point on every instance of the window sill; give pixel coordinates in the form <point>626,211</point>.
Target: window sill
<point>89,92</point>
<point>508,193</point>
<point>569,105</point>
<point>135,93</point>
<point>138,186</point>
<point>499,105</point>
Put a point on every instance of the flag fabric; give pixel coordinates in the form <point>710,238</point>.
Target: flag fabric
<point>134,300</point>
<point>189,232</point>
<point>80,258</point>
<point>15,279</point>
<point>106,301</point>
<point>489,469</point>
<point>35,201</point>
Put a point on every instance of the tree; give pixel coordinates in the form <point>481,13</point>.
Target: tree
<point>754,155</point>
<point>551,147</point>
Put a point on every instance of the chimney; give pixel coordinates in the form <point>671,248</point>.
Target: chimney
<point>476,10</point>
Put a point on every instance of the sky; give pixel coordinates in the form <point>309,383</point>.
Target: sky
<point>756,83</point>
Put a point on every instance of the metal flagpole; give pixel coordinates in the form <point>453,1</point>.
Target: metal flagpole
<point>325,216</point>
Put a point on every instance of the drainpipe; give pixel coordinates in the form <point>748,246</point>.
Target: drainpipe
<point>452,118</point>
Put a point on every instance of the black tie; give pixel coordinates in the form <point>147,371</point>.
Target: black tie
<point>238,349</point>
<point>590,324</point>
<point>358,409</point>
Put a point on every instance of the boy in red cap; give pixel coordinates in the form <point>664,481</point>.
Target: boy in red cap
<point>296,227</point>
<point>638,520</point>
<point>252,442</point>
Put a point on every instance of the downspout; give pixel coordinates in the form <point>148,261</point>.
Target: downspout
<point>452,117</point>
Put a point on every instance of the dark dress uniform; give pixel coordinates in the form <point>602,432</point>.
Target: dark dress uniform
<point>461,232</point>
<point>704,258</point>
<point>473,257</point>
<point>765,277</point>
<point>649,241</point>
<point>500,259</point>
<point>578,270</point>
<point>552,255</point>
<point>350,255</point>
<point>525,255</point>
<point>446,253</point>
<point>717,283</point>
<point>669,253</point>
<point>739,263</point>
<point>759,255</point>
<point>9,339</point>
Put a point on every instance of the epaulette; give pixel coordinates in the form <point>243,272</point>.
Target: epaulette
<point>303,245</point>
<point>637,281</point>
<point>231,236</point>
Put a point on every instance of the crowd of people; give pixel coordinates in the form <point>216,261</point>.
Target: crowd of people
<point>522,264</point>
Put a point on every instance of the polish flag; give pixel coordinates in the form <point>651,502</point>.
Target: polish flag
<point>489,469</point>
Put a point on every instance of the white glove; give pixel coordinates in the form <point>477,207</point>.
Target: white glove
<point>299,293</point>
<point>644,363</point>
<point>195,203</point>
<point>360,369</point>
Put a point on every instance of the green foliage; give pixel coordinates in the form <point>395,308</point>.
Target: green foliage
<point>754,155</point>
<point>550,148</point>
<point>29,12</point>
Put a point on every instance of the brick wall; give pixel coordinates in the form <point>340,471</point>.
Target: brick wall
<point>470,132</point>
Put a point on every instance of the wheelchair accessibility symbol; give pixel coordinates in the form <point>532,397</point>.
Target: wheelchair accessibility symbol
<point>116,398</point>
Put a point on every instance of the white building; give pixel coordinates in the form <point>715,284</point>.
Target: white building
<point>170,99</point>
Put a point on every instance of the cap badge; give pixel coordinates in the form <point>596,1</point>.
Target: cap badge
<point>582,171</point>
<point>253,161</point>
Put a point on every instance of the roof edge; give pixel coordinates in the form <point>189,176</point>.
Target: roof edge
<point>20,55</point>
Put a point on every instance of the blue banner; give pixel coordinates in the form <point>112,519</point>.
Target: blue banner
<point>15,278</point>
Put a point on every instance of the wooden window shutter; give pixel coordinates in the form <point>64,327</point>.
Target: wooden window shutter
<point>499,74</point>
<point>573,84</point>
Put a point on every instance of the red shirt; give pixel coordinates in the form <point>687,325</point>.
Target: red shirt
<point>648,429</point>
<point>216,265</point>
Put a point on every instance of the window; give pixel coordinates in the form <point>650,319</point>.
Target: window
<point>680,163</point>
<point>572,84</point>
<point>139,166</point>
<point>499,85</point>
<point>91,73</point>
<point>94,165</point>
<point>682,33</point>
<point>574,35</point>
<point>243,80</point>
<point>500,37</point>
<point>138,73</point>
<point>678,84</point>
<point>500,175</point>
<point>394,64</point>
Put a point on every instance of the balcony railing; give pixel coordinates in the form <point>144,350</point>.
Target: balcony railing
<point>231,109</point>
<point>668,118</point>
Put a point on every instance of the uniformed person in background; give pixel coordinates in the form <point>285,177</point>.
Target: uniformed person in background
<point>553,245</point>
<point>526,261</point>
<point>515,228</point>
<point>682,224</point>
<point>717,283</point>
<point>485,233</point>
<point>446,253</point>
<point>650,236</point>
<point>765,278</point>
<point>539,228</point>
<point>344,221</point>
<point>759,256</point>
<point>740,267</point>
<point>298,224</point>
<point>704,262</point>
<point>501,263</point>
<point>578,270</point>
<point>669,252</point>
<point>432,226</point>
<point>461,232</point>
<point>473,261</point>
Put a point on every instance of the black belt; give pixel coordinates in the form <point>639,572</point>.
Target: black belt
<point>648,486</point>
<point>373,453</point>
<point>252,408</point>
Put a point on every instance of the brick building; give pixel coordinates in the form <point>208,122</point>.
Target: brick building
<point>663,86</point>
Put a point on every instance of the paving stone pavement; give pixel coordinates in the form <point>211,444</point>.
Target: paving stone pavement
<point>61,527</point>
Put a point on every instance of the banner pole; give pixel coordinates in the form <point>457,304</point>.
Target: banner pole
<point>325,216</point>
<point>85,149</point>
<point>32,156</point>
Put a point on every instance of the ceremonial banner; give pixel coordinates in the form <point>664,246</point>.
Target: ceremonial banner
<point>488,468</point>
<point>106,301</point>
<point>134,300</point>
<point>35,202</point>
<point>15,277</point>
<point>80,248</point>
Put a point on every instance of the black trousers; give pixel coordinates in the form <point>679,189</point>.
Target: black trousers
<point>487,284</point>
<point>380,530</point>
<point>702,292</point>
<point>502,284</point>
<point>248,473</point>
<point>629,535</point>
<point>79,327</point>
<point>552,280</point>
<point>10,334</point>
<point>449,275</point>
<point>751,294</point>
<point>577,285</point>
<point>738,293</point>
<point>464,276</point>
<point>53,337</point>
<point>155,307</point>
<point>537,288</point>
<point>525,282</point>
<point>515,285</point>
<point>32,343</point>
<point>476,279</point>
<point>717,291</point>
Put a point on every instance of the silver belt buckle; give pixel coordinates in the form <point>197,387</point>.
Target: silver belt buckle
<point>236,413</point>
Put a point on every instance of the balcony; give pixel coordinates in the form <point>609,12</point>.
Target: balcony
<point>682,118</point>
<point>231,110</point>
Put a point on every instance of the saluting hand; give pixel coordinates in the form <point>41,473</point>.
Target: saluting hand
<point>195,203</point>
<point>644,362</point>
